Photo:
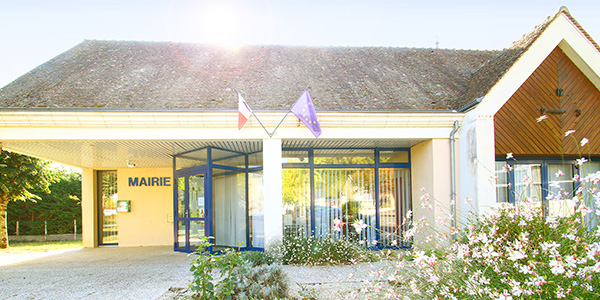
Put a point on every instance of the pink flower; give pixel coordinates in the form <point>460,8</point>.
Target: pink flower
<point>560,173</point>
<point>337,224</point>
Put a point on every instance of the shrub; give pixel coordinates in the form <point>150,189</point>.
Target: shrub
<point>238,278</point>
<point>306,250</point>
<point>259,282</point>
<point>258,258</point>
<point>514,253</point>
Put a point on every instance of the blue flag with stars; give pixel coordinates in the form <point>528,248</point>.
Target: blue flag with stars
<point>305,111</point>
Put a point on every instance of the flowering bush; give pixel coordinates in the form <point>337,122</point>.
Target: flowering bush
<point>514,253</point>
<point>309,250</point>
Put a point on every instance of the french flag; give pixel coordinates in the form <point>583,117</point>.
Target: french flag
<point>243,112</point>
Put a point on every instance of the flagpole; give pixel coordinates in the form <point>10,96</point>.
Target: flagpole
<point>257,119</point>
<point>271,135</point>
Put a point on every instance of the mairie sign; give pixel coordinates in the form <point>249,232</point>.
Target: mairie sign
<point>149,181</point>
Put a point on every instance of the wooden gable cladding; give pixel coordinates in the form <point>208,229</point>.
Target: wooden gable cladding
<point>517,129</point>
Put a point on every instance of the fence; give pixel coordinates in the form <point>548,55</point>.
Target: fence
<point>45,228</point>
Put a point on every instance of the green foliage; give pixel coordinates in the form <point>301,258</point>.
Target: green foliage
<point>22,174</point>
<point>321,250</point>
<point>513,253</point>
<point>19,177</point>
<point>258,258</point>
<point>202,268</point>
<point>238,278</point>
<point>306,293</point>
<point>59,206</point>
<point>16,247</point>
<point>259,282</point>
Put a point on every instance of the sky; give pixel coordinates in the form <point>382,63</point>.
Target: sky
<point>34,31</point>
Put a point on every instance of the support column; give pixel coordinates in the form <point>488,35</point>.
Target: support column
<point>431,189</point>
<point>89,211</point>
<point>477,165</point>
<point>273,190</point>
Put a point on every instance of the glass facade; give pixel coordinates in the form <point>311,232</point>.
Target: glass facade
<point>212,199</point>
<point>324,186</point>
<point>219,193</point>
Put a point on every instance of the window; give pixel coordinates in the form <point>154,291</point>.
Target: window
<point>550,182</point>
<point>350,185</point>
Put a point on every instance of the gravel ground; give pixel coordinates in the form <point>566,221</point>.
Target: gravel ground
<point>99,273</point>
<point>328,282</point>
<point>145,273</point>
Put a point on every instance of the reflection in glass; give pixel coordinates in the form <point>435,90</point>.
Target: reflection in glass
<point>107,183</point>
<point>392,156</point>
<point>180,197</point>
<point>394,204</point>
<point>196,196</point>
<point>528,182</point>
<point>502,182</point>
<point>229,209</point>
<point>344,156</point>
<point>296,202</point>
<point>191,159</point>
<point>181,234</point>
<point>294,156</point>
<point>256,212</point>
<point>196,232</point>
<point>347,195</point>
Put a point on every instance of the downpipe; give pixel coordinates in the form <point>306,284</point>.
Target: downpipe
<point>453,174</point>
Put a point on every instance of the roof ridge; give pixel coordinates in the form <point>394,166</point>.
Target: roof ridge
<point>498,65</point>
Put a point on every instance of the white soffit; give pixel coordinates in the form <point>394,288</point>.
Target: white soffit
<point>156,154</point>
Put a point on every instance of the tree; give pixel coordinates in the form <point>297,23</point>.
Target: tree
<point>20,175</point>
<point>59,207</point>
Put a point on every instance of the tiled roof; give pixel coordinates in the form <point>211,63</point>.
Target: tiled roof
<point>125,75</point>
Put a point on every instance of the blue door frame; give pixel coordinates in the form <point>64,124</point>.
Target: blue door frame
<point>185,216</point>
<point>206,170</point>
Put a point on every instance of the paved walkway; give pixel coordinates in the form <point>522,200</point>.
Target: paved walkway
<point>99,273</point>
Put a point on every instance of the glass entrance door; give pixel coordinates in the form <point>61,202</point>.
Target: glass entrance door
<point>192,212</point>
<point>107,208</point>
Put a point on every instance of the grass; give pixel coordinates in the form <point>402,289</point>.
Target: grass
<point>41,246</point>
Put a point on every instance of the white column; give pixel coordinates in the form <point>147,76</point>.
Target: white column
<point>89,210</point>
<point>476,165</point>
<point>273,190</point>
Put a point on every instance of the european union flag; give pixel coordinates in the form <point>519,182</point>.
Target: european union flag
<point>305,111</point>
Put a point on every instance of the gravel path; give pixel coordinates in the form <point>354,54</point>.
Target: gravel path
<point>100,273</point>
<point>145,273</point>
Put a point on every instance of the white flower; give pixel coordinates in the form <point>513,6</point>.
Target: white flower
<point>542,118</point>
<point>516,255</point>
<point>582,160</point>
<point>359,226</point>
<point>556,267</point>
<point>509,155</point>
<point>560,173</point>
<point>569,132</point>
<point>584,141</point>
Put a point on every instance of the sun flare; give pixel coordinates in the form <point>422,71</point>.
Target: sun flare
<point>221,25</point>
